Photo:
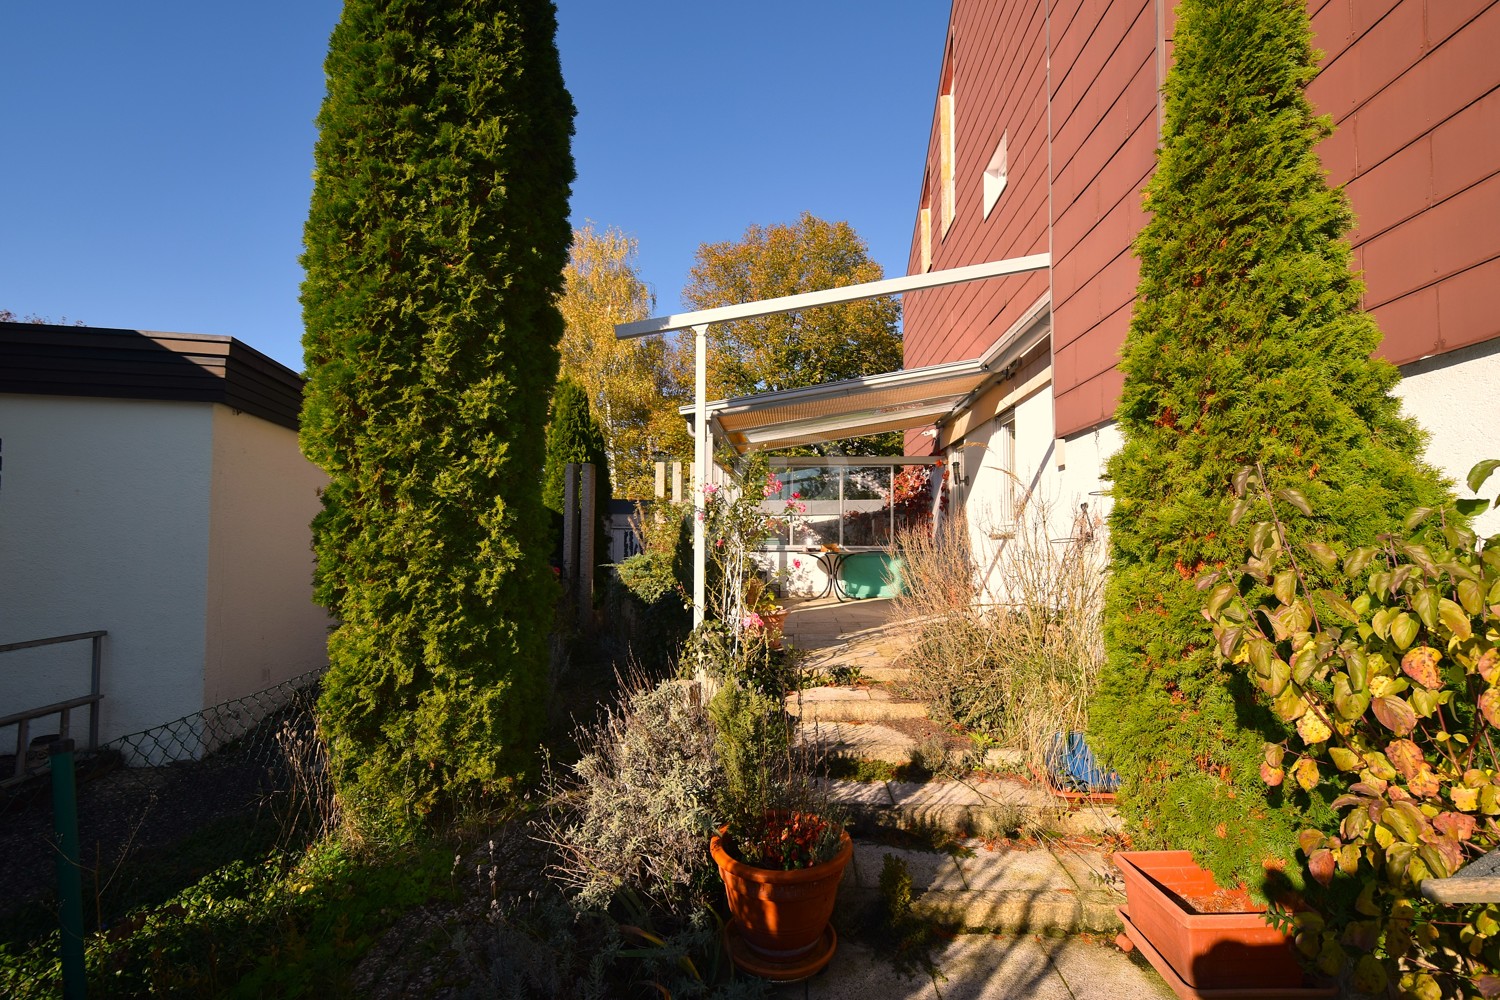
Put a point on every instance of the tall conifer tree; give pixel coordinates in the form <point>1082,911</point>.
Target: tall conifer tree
<point>434,253</point>
<point>574,435</point>
<point>1247,343</point>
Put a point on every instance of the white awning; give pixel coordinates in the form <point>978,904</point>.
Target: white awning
<point>874,404</point>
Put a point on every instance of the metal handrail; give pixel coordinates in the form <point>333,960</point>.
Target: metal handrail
<point>63,709</point>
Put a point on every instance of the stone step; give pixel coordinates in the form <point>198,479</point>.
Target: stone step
<point>838,704</point>
<point>988,808</point>
<point>1051,890</point>
<point>859,740</point>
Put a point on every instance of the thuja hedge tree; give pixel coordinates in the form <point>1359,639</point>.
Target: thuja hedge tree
<point>574,436</point>
<point>1247,343</point>
<point>434,252</point>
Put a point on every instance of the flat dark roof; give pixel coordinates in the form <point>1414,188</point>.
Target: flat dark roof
<point>43,360</point>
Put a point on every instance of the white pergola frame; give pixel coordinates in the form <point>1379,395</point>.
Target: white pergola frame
<point>700,321</point>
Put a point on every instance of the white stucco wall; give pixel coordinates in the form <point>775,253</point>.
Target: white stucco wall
<point>1456,398</point>
<point>1054,489</point>
<point>262,626</point>
<point>104,513</point>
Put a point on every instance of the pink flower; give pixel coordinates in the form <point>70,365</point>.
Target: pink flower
<point>796,496</point>
<point>752,620</point>
<point>796,564</point>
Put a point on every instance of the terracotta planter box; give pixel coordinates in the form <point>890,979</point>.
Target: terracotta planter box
<point>1233,953</point>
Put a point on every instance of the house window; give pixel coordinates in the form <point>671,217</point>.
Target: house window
<point>995,174</point>
<point>996,513</point>
<point>1004,445</point>
<point>946,143</point>
<point>924,223</point>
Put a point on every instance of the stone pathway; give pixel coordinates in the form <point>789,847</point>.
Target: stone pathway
<point>868,721</point>
<point>1015,860</point>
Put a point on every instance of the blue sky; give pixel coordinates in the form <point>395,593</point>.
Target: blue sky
<point>159,154</point>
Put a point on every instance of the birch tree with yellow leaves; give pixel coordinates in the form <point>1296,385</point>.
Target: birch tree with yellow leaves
<point>625,380</point>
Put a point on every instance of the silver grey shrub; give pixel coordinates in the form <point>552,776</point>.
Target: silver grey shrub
<point>635,812</point>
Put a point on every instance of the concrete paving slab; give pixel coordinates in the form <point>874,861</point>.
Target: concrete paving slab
<point>986,967</point>
<point>852,704</point>
<point>1043,889</point>
<point>860,797</point>
<point>862,740</point>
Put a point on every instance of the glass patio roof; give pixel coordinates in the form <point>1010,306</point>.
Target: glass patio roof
<point>893,401</point>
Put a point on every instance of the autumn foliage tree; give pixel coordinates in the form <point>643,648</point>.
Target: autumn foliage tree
<point>625,381</point>
<point>435,245</point>
<point>790,350</point>
<point>1247,343</point>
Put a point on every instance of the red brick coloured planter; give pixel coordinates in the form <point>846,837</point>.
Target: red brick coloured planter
<point>1205,952</point>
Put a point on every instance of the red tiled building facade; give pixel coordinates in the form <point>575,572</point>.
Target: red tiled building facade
<point>1044,133</point>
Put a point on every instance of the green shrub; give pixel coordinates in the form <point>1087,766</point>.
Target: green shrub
<point>1247,342</point>
<point>276,927</point>
<point>752,737</point>
<point>574,436</point>
<point>650,603</point>
<point>1389,677</point>
<point>436,241</point>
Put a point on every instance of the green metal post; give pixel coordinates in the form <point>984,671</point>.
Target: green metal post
<point>69,879</point>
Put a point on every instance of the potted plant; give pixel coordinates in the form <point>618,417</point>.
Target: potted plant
<point>1200,937</point>
<point>781,878</point>
<point>781,849</point>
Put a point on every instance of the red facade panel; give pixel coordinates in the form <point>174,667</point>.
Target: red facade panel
<point>1102,155</point>
<point>1440,242</point>
<point>1415,93</point>
<point>1469,306</point>
<point>1355,64</point>
<point>999,72</point>
<point>1409,324</point>
<point>1452,76</point>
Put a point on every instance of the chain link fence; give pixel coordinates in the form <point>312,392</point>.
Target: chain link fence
<point>183,797</point>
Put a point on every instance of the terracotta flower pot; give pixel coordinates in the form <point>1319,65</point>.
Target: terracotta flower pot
<point>779,926</point>
<point>1203,954</point>
<point>775,626</point>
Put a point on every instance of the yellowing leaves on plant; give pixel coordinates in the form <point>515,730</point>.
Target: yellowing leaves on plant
<point>1424,783</point>
<point>1312,729</point>
<point>1306,773</point>
<point>1489,665</point>
<point>1420,664</point>
<point>1405,756</point>
<point>1489,704</point>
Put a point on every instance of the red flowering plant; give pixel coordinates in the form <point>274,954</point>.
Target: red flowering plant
<point>789,840</point>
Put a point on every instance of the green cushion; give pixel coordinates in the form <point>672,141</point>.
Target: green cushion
<point>871,574</point>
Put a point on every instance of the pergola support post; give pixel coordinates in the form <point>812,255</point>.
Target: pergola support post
<point>702,457</point>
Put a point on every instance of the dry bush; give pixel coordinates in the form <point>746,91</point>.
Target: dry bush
<point>307,808</point>
<point>1022,669</point>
